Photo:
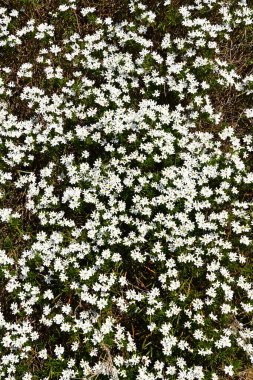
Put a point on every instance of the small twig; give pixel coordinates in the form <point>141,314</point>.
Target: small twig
<point>150,270</point>
<point>111,369</point>
<point>78,24</point>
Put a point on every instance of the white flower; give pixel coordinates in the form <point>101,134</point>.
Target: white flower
<point>27,376</point>
<point>245,240</point>
<point>168,343</point>
<point>229,370</point>
<point>152,326</point>
<point>59,350</point>
<point>249,113</point>
<point>43,354</point>
<point>48,294</point>
<point>58,319</point>
<point>74,346</point>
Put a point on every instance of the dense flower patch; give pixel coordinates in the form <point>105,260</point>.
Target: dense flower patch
<point>126,179</point>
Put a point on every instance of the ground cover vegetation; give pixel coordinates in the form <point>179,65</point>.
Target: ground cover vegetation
<point>126,174</point>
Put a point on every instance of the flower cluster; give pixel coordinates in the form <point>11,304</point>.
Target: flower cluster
<point>126,206</point>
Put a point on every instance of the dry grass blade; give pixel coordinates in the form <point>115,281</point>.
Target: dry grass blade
<point>246,375</point>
